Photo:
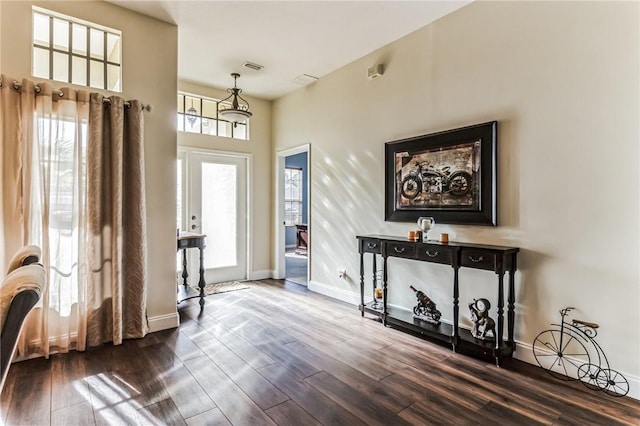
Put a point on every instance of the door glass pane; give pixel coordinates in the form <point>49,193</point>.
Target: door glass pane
<point>219,205</point>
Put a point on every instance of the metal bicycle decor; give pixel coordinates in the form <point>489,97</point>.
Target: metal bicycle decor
<point>569,352</point>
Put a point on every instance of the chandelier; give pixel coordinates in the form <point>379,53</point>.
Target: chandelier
<point>238,112</point>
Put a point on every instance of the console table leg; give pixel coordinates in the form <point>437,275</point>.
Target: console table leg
<point>375,281</point>
<point>511,314</point>
<point>500,322</point>
<point>185,273</point>
<point>384,290</point>
<point>201,282</point>
<point>456,309</point>
<point>362,284</point>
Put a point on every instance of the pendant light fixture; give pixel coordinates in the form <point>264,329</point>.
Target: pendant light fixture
<point>238,112</point>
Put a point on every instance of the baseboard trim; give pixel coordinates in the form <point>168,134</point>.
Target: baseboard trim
<point>335,293</point>
<point>524,351</point>
<point>261,275</point>
<point>163,322</point>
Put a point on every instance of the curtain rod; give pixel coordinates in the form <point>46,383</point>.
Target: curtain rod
<point>17,86</point>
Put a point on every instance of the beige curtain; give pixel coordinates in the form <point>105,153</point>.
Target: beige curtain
<point>72,183</point>
<point>116,222</point>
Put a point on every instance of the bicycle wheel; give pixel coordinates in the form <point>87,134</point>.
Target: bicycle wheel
<point>592,377</point>
<point>615,383</point>
<point>560,354</point>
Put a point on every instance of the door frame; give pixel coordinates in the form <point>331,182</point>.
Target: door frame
<point>279,240</point>
<point>186,187</point>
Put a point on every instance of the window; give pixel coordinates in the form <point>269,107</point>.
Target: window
<point>200,115</point>
<point>292,196</point>
<point>78,52</point>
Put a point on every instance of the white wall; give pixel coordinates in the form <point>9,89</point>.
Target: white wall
<point>562,79</point>
<point>149,52</point>
<point>260,149</point>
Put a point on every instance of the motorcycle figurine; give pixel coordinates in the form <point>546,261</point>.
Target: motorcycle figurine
<point>427,178</point>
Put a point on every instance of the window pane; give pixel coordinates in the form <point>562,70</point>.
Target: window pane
<point>240,132</point>
<point>209,126</point>
<point>180,103</point>
<point>40,63</point>
<point>224,128</point>
<point>60,34</point>
<point>113,48</point>
<point>79,39</point>
<point>97,43</point>
<point>181,122</point>
<point>192,124</point>
<point>79,71</point>
<point>113,78</point>
<point>60,66</point>
<point>209,108</point>
<point>219,205</point>
<point>40,29</point>
<point>96,75</point>
<point>193,105</point>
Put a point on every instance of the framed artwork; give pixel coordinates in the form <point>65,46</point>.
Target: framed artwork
<point>450,176</point>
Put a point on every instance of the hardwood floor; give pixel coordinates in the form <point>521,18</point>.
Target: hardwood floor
<point>278,354</point>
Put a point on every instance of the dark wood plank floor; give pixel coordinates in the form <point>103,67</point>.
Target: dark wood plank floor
<point>278,354</point>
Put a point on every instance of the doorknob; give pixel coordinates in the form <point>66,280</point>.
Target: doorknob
<point>193,217</point>
<point>193,226</point>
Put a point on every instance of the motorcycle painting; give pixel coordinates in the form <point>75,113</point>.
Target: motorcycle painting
<point>440,178</point>
<point>450,176</point>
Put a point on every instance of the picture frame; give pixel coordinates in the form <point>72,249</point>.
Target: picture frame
<point>450,176</point>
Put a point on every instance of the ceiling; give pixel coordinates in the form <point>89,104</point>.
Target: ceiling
<point>289,38</point>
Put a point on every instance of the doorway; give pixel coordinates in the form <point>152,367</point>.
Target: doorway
<point>215,204</point>
<point>293,231</point>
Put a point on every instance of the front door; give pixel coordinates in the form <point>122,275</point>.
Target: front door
<point>218,209</point>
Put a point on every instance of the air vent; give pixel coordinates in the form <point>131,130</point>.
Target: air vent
<point>252,66</point>
<point>305,79</point>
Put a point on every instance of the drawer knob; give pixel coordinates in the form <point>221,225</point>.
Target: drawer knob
<point>372,245</point>
<point>398,249</point>
<point>430,254</point>
<point>476,259</point>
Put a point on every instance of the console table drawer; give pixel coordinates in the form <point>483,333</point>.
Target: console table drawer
<point>478,259</point>
<point>398,249</point>
<point>371,245</point>
<point>434,254</point>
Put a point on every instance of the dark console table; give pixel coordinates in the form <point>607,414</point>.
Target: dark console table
<point>501,260</point>
<point>187,240</point>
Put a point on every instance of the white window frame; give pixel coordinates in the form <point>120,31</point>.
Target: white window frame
<point>235,130</point>
<point>104,63</point>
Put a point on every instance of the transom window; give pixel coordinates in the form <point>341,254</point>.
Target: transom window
<point>74,51</point>
<point>197,114</point>
<point>292,196</point>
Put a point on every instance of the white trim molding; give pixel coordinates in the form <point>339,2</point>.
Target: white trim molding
<point>164,322</point>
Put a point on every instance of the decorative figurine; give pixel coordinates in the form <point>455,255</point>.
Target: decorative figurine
<point>482,323</point>
<point>426,308</point>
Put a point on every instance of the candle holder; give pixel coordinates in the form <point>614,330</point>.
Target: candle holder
<point>425,223</point>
